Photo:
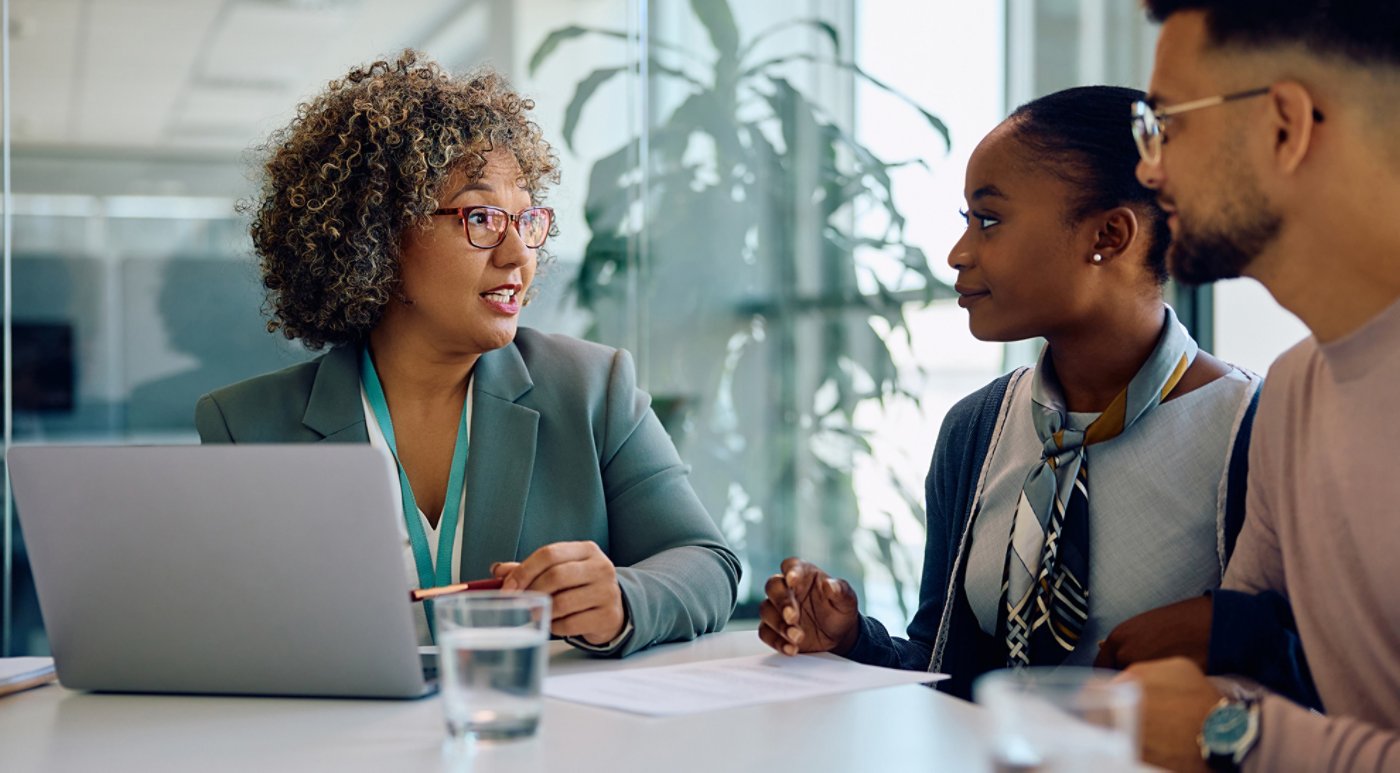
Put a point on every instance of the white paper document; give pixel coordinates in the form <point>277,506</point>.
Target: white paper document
<point>709,685</point>
<point>18,674</point>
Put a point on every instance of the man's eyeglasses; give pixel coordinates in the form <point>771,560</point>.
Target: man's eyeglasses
<point>486,226</point>
<point>1150,124</point>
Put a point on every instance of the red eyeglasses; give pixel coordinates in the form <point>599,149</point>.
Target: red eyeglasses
<point>486,226</point>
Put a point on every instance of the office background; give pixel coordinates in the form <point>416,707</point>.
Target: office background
<point>760,210</point>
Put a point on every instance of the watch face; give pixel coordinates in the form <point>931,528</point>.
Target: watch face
<point>1225,727</point>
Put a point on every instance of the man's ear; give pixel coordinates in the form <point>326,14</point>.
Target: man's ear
<point>1293,115</point>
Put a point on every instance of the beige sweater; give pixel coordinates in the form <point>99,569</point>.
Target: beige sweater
<point>1323,528</point>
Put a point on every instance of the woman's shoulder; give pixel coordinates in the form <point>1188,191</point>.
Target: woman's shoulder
<point>273,407</point>
<point>294,379</point>
<point>572,374</point>
<point>560,361</point>
<point>1215,387</point>
<point>576,380</point>
<point>556,348</point>
<point>1206,370</point>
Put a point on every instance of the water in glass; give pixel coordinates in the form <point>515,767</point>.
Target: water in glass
<point>491,680</point>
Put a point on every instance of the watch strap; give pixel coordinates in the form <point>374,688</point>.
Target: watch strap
<point>1232,758</point>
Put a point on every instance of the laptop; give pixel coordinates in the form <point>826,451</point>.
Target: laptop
<point>230,569</point>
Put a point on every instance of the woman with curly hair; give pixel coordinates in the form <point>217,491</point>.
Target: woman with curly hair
<point>400,224</point>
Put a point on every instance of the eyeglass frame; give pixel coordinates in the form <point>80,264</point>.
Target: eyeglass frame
<point>1156,133</point>
<point>1143,108</point>
<point>511,219</point>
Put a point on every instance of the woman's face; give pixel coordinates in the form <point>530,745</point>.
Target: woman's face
<point>1021,267</point>
<point>461,297</point>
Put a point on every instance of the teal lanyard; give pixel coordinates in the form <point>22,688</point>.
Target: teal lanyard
<point>451,507</point>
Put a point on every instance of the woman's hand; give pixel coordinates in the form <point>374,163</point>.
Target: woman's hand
<point>581,579</point>
<point>808,611</point>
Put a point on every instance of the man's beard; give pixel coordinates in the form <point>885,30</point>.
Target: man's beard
<point>1211,252</point>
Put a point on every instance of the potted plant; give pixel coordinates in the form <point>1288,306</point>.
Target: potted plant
<point>745,250</point>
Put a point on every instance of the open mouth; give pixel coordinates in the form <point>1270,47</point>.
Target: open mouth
<point>501,295</point>
<point>504,299</point>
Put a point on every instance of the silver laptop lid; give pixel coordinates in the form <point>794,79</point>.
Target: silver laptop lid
<point>234,569</point>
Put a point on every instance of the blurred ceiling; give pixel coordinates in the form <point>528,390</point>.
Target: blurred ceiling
<point>212,76</point>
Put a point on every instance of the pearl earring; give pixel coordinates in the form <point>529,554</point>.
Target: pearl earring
<point>1098,258</point>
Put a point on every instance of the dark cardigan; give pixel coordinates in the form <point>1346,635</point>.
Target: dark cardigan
<point>968,652</point>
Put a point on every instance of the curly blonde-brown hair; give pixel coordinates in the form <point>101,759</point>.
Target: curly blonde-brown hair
<point>362,162</point>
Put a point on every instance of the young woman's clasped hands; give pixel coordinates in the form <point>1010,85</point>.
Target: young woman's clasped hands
<point>808,610</point>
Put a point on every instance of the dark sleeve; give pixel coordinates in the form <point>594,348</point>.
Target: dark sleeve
<point>958,455</point>
<point>1237,478</point>
<point>1254,635</point>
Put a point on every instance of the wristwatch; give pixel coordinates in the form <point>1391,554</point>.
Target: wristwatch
<point>1228,733</point>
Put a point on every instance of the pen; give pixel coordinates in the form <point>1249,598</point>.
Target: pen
<point>418,594</point>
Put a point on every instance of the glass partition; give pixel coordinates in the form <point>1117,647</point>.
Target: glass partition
<point>757,200</point>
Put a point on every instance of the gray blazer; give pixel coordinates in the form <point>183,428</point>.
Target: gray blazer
<point>564,446</point>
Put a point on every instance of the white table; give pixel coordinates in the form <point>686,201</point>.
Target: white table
<point>906,727</point>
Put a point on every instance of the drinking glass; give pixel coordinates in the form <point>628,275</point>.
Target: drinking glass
<point>1061,719</point>
<point>492,654</point>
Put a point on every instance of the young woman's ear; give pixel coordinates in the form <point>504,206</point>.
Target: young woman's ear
<point>1117,232</point>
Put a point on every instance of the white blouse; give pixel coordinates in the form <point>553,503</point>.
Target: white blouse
<point>376,439</point>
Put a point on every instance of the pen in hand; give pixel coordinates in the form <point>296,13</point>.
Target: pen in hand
<point>419,594</point>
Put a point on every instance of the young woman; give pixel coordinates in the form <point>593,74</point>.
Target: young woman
<point>1064,498</point>
<point>400,224</point>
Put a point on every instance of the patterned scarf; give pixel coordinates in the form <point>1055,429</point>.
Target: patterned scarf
<point>1045,586</point>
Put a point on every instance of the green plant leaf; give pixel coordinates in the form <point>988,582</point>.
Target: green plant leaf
<point>912,500</point>
<point>885,542</point>
<point>602,249</point>
<point>582,94</point>
<point>608,198</point>
<point>719,23</point>
<point>553,40</point>
<point>915,260</point>
<point>795,115</point>
<point>821,25</point>
<point>790,104</point>
<point>586,88</point>
<point>876,359</point>
<point>674,72</point>
<point>858,438</point>
<point>775,200</point>
<point>933,121</point>
<point>703,112</point>
<point>805,133</point>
